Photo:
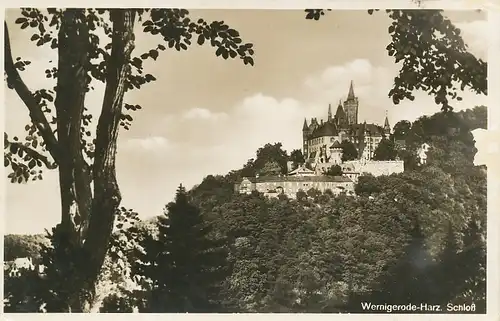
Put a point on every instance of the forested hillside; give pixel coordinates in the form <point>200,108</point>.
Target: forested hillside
<point>418,236</point>
<point>16,246</point>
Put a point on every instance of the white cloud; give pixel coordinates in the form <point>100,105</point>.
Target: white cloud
<point>191,147</point>
<point>260,119</point>
<point>153,143</point>
<point>217,147</point>
<point>203,113</point>
<point>372,85</point>
<point>477,36</point>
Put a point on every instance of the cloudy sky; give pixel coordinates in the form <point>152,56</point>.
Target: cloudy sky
<point>207,116</point>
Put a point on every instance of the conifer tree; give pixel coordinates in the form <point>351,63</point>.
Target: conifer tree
<point>349,151</point>
<point>186,267</point>
<point>385,150</point>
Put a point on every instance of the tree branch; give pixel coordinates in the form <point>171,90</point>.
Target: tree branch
<point>74,177</point>
<point>33,153</point>
<point>36,114</point>
<point>107,195</point>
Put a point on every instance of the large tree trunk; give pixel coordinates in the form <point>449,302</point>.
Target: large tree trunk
<point>107,195</point>
<point>74,176</point>
<point>86,218</point>
<point>74,179</point>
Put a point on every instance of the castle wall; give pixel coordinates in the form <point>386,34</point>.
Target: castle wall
<point>336,156</point>
<point>290,189</point>
<point>315,145</point>
<point>376,168</point>
<point>371,144</point>
<point>246,186</point>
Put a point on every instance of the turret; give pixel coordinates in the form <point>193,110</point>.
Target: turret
<point>305,138</point>
<point>351,106</point>
<point>387,127</point>
<point>336,153</point>
<point>350,95</point>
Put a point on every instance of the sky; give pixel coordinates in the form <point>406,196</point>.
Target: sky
<point>205,115</point>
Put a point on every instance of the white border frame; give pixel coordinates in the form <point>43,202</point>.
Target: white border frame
<point>493,245</point>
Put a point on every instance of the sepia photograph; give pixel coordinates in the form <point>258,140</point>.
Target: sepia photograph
<point>165,160</point>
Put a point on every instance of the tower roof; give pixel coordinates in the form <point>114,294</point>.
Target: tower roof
<point>340,110</point>
<point>386,121</point>
<point>350,95</point>
<point>336,144</point>
<point>340,114</point>
<point>305,124</point>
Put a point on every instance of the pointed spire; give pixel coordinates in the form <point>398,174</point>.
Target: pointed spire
<point>305,127</point>
<point>329,112</point>
<point>351,96</point>
<point>387,127</point>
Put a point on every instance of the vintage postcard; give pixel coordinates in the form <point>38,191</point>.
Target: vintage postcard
<point>251,159</point>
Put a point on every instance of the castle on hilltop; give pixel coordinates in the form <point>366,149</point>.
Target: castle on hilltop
<point>323,148</point>
<point>322,140</point>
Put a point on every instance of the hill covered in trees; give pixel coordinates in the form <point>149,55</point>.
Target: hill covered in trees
<point>414,237</point>
<point>18,245</point>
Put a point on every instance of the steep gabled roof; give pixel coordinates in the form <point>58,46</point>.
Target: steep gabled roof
<point>301,170</point>
<point>336,145</point>
<point>340,114</point>
<point>370,129</point>
<point>325,129</point>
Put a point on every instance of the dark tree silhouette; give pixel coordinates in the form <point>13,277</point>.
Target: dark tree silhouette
<point>297,158</point>
<point>349,151</point>
<point>334,170</point>
<point>385,150</point>
<point>185,264</point>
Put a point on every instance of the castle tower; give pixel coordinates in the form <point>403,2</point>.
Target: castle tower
<point>329,112</point>
<point>351,106</point>
<point>387,127</point>
<point>336,153</point>
<point>305,137</point>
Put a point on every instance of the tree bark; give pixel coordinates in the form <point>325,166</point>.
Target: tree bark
<point>107,195</point>
<point>86,215</point>
<point>74,180</point>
